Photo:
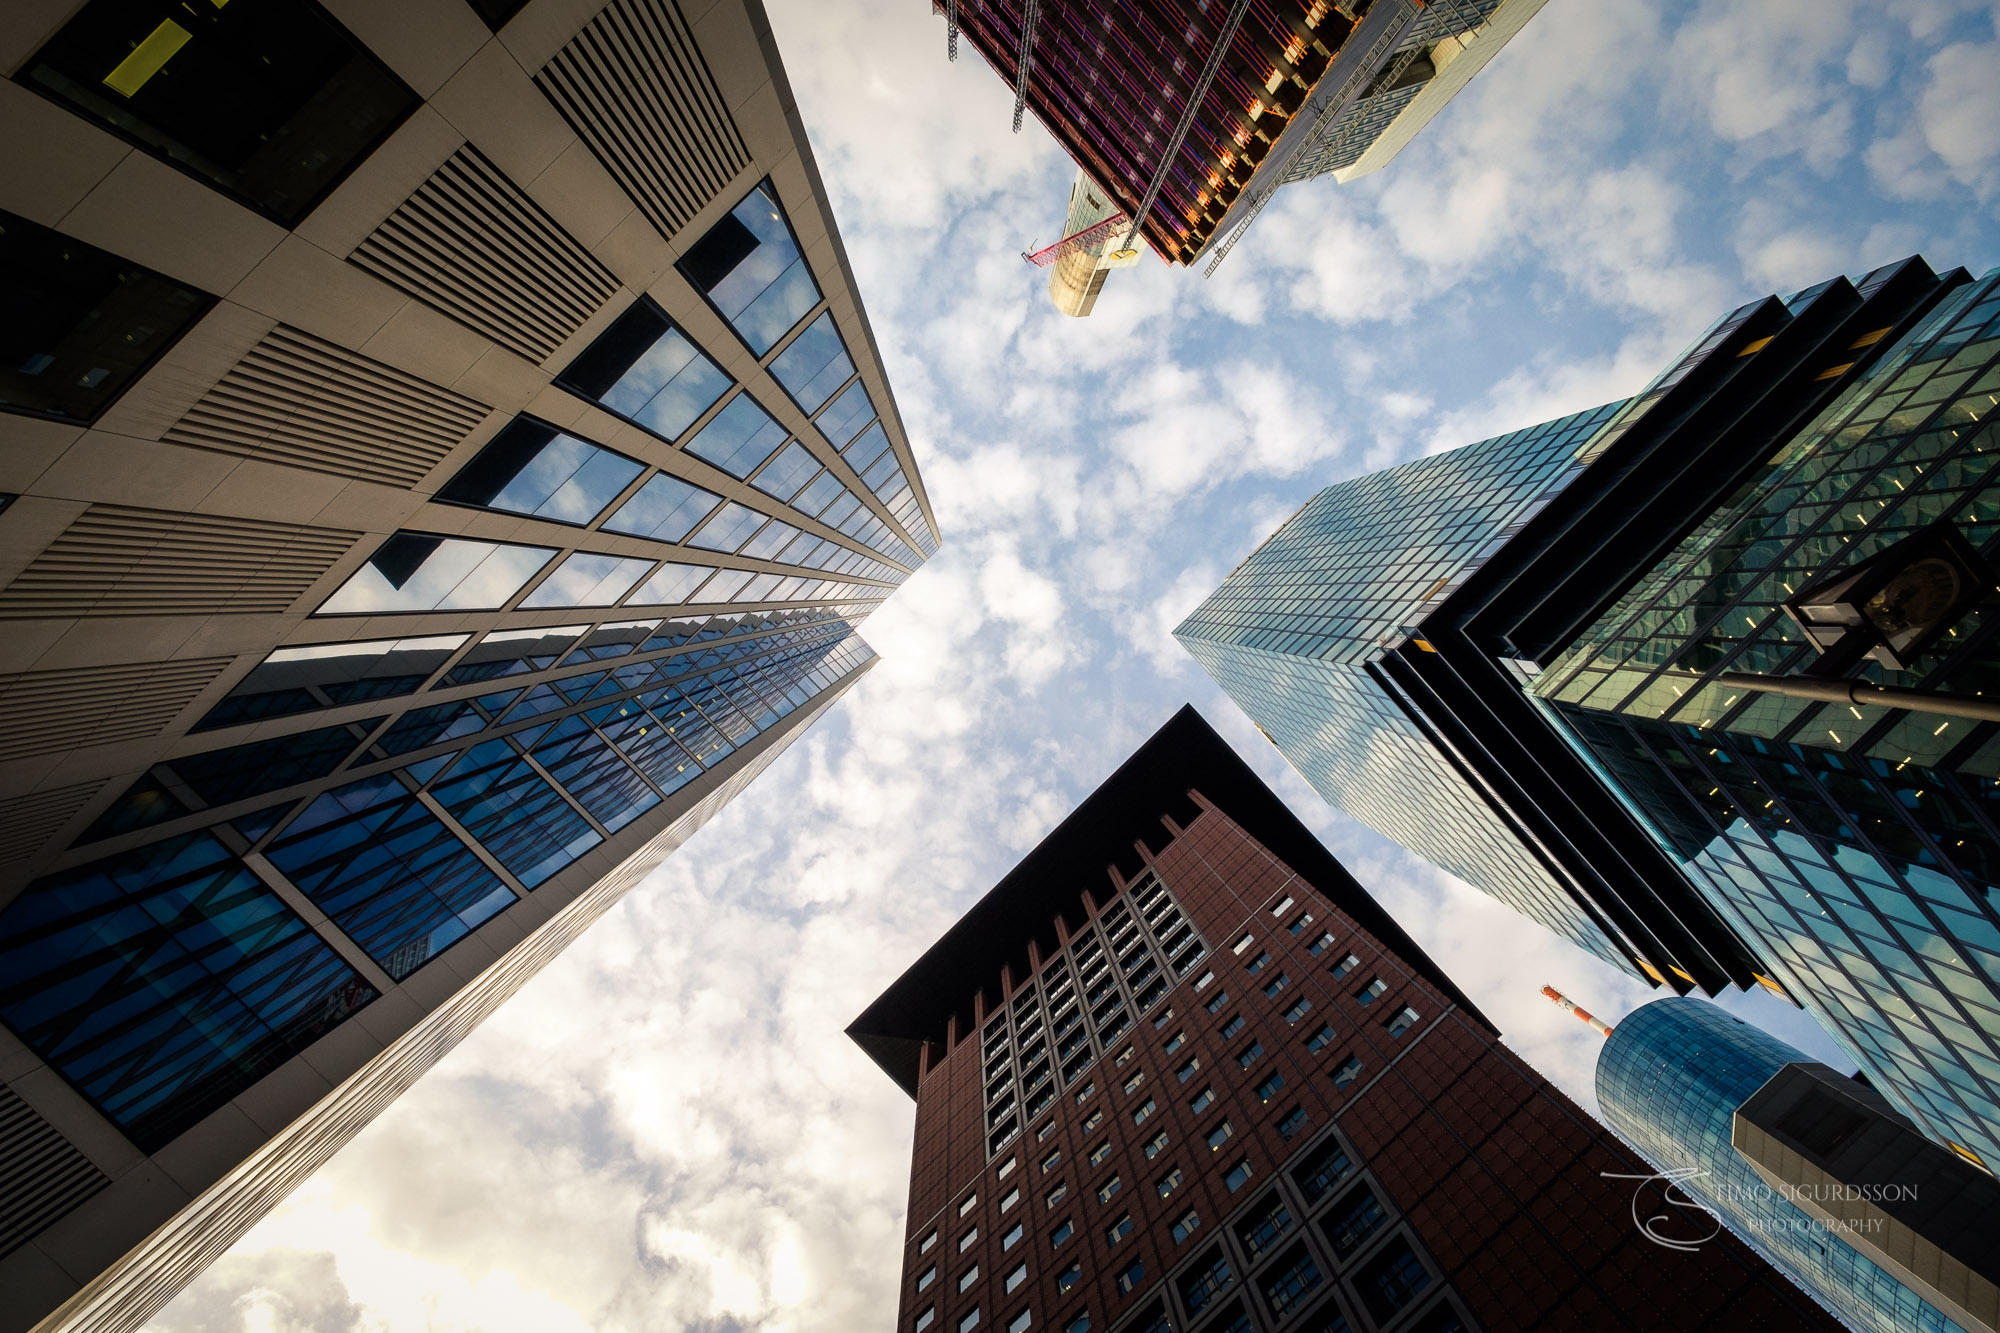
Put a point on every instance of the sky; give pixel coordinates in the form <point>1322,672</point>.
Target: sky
<point>666,1129</point>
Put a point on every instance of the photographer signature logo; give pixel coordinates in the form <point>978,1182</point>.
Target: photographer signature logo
<point>1676,1228</point>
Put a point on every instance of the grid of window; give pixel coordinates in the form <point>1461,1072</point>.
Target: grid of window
<point>1083,999</point>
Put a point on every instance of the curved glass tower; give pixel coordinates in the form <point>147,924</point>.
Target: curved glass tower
<point>1669,1082</point>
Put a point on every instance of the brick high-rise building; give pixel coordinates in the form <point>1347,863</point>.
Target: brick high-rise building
<point>442,460</point>
<point>1178,1071</point>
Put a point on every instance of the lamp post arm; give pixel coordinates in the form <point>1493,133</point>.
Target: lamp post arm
<point>1973,706</point>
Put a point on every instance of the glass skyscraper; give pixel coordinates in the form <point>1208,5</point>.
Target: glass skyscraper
<point>1670,1080</point>
<point>1568,675</point>
<point>415,522</point>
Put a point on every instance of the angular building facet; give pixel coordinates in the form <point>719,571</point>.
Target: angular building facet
<point>1812,1170</point>
<point>1177,1071</point>
<point>1649,678</point>
<point>1189,116</point>
<point>443,460</point>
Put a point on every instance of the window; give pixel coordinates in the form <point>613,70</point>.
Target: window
<point>1139,1114</point>
<point>665,509</point>
<point>1163,1018</point>
<point>1170,1182</point>
<point>1232,1027</point>
<point>1184,1225</point>
<point>1295,1279</point>
<point>588,579</point>
<point>738,438</point>
<point>1214,1006</point>
<point>968,1277</point>
<point>1006,1168</point>
<point>1048,1128</point>
<point>415,571</point>
<point>1049,1162</point>
<point>1014,1233</point>
<point>1132,1083</point>
<point>1343,967</point>
<point>1084,1092</point>
<point>1202,1101</point>
<point>1294,1121</point>
<point>1320,1172</point>
<point>1012,1197</point>
<point>1187,1071</point>
<point>1402,1022</point>
<point>1096,1119</point>
<point>970,1202</point>
<point>751,271</point>
<point>1219,1136</point>
<point>1265,1227</point>
<point>532,468</point>
<point>1062,1233</point>
<point>1371,992</point>
<point>1321,945</point>
<point>1300,1008</point>
<point>1209,1278</point>
<point>1069,1277</point>
<point>1202,981</point>
<point>310,677</point>
<point>1109,1188</point>
<point>1391,1281</point>
<point>1057,1194</point>
<point>1156,1144</point>
<point>1353,1220</point>
<point>925,1278</point>
<point>82,323</point>
<point>1300,922</point>
<point>1118,1230</point>
<point>244,99</point>
<point>1283,903</point>
<point>1174,1043</point>
<point>1133,1274</point>
<point>1269,1087</point>
<point>1250,1054</point>
<point>969,1321</point>
<point>814,365</point>
<point>1080,1324</point>
<point>1019,1323</point>
<point>1238,1176</point>
<point>1349,1070</point>
<point>1100,1152</point>
<point>924,1320</point>
<point>1242,944</point>
<point>1257,964</point>
<point>965,1241</point>
<point>924,1246</point>
<point>1119,1063</point>
<point>1017,1277</point>
<point>1278,983</point>
<point>1320,1038</point>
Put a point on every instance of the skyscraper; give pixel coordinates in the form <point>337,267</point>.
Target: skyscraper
<point>1189,115</point>
<point>1613,673</point>
<point>1893,1237</point>
<point>1079,263</point>
<point>1178,1071</point>
<point>444,461</point>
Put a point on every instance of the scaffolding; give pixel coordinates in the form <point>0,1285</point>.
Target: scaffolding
<point>1095,234</point>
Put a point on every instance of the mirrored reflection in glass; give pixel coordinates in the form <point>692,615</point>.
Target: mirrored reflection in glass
<point>532,468</point>
<point>414,571</point>
<point>729,529</point>
<point>845,418</point>
<point>867,448</point>
<point>315,676</point>
<point>815,364</point>
<point>588,579</point>
<point>665,509</point>
<point>724,585</point>
<point>646,370</point>
<point>756,588</point>
<point>511,652</point>
<point>738,438</point>
<point>614,640</point>
<point>670,585</point>
<point>767,543</point>
<point>789,471</point>
<point>750,267</point>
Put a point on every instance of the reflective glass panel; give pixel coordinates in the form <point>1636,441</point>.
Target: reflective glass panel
<point>814,365</point>
<point>588,579</point>
<point>271,102</point>
<point>164,981</point>
<point>788,472</point>
<point>849,413</point>
<point>774,537</point>
<point>81,323</point>
<point>511,652</point>
<point>729,529</point>
<point>665,509</point>
<point>670,585</point>
<point>515,815</point>
<point>869,448</point>
<point>612,640</point>
<point>324,675</point>
<point>414,571</point>
<point>644,368</point>
<point>738,438</point>
<point>725,584</point>
<point>532,468</point>
<point>749,266</point>
<point>593,773</point>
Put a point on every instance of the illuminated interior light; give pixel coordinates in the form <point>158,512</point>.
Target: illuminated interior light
<point>148,58</point>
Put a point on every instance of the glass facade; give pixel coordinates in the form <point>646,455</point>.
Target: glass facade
<point>1291,633</point>
<point>1669,1080</point>
<point>1856,847</point>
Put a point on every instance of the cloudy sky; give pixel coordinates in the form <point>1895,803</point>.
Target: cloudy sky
<point>666,1129</point>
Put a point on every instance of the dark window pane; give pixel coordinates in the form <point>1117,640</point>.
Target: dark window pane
<point>272,102</point>
<point>750,268</point>
<point>532,468</point>
<point>815,364</point>
<point>164,981</point>
<point>586,766</point>
<point>511,652</point>
<point>1391,1281</point>
<point>1352,1221</point>
<point>388,872</point>
<point>316,676</point>
<point>514,814</point>
<point>78,324</point>
<point>645,369</point>
<point>427,726</point>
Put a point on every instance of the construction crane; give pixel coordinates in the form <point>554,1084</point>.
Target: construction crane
<point>1079,240</point>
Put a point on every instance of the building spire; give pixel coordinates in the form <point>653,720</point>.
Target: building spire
<point>1557,997</point>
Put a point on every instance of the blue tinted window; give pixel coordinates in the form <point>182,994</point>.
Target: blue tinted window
<point>729,529</point>
<point>767,543</point>
<point>788,472</point>
<point>646,742</point>
<point>687,724</point>
<point>592,772</point>
<point>873,444</point>
<point>819,495</point>
<point>724,585</point>
<point>388,872</point>
<point>613,639</point>
<point>219,777</point>
<point>427,726</point>
<point>414,571</point>
<point>815,364</point>
<point>849,413</point>
<point>588,579</point>
<point>164,981</point>
<point>739,437</point>
<point>645,369</point>
<point>750,268</point>
<point>532,468</point>
<point>670,585</point>
<point>511,652</point>
<point>514,814</point>
<point>665,509</point>
<point>305,679</point>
